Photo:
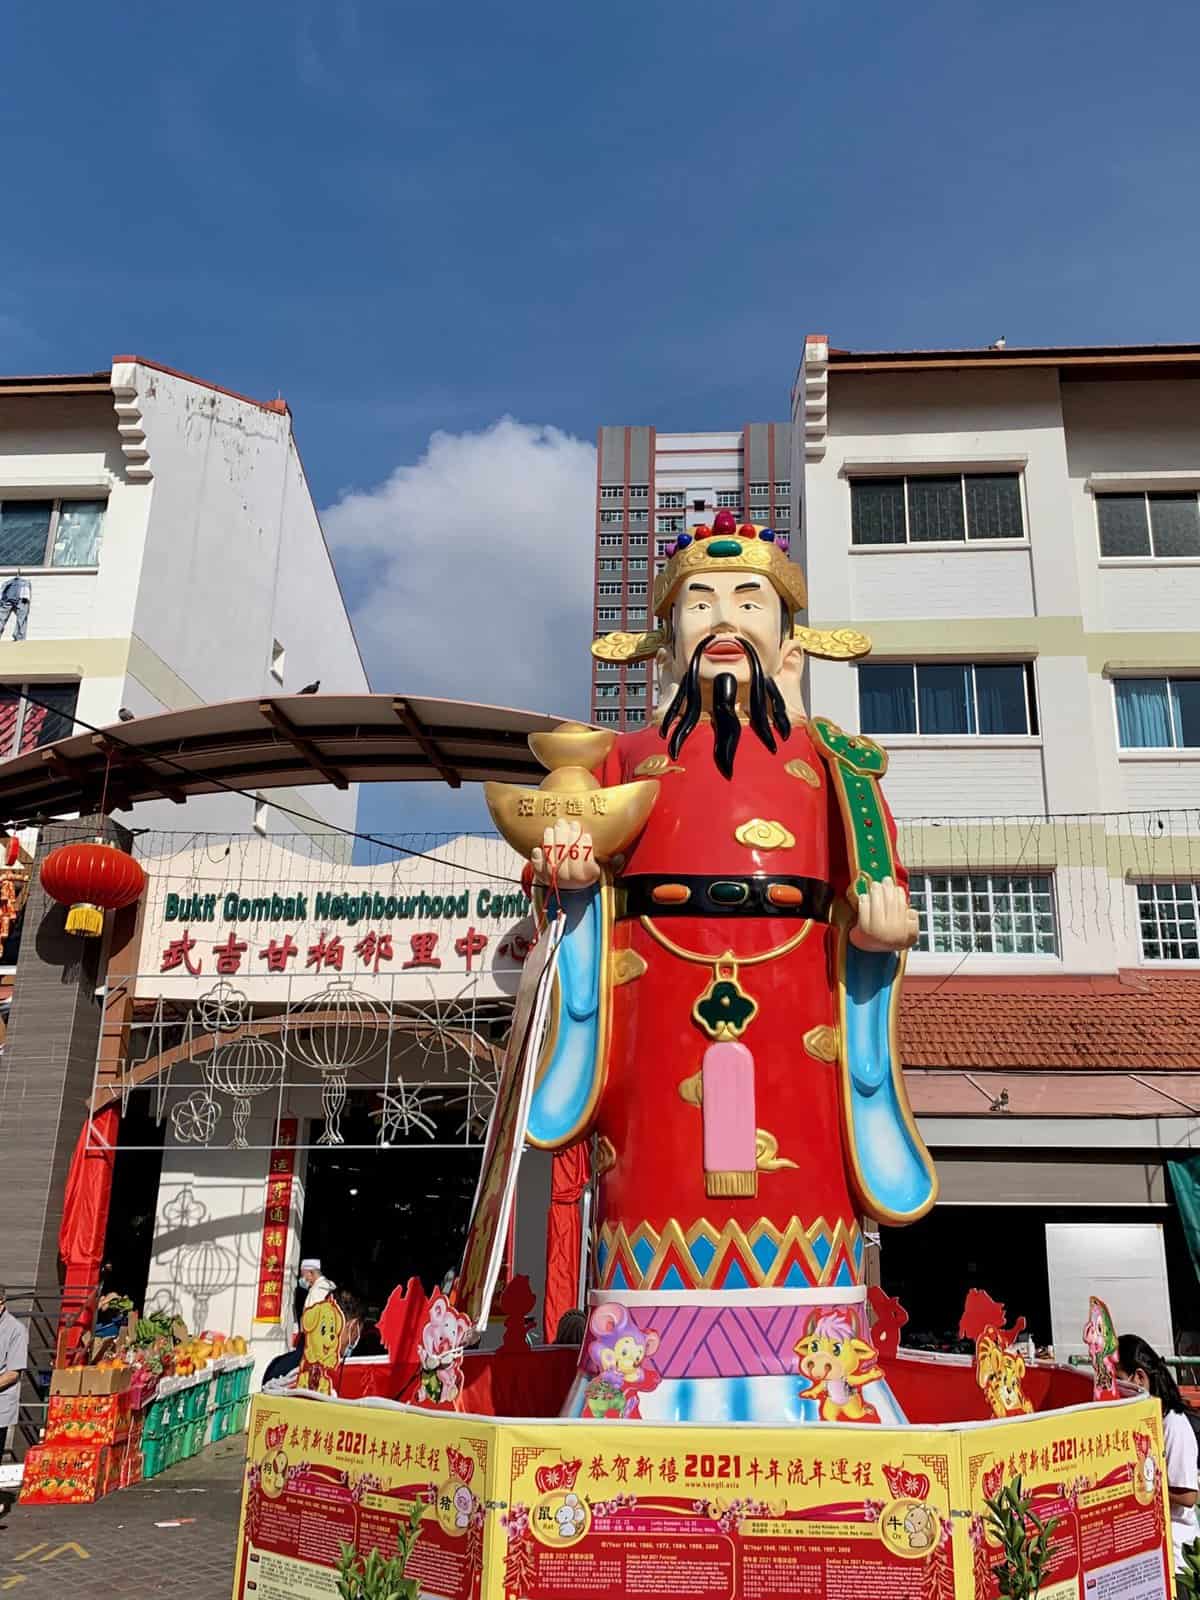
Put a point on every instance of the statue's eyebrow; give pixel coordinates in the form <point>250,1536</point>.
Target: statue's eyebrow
<point>755,583</point>
<point>701,588</point>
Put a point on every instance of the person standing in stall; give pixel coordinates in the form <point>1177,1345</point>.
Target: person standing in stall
<point>1139,1364</point>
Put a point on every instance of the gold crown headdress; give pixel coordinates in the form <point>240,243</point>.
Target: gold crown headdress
<point>728,547</point>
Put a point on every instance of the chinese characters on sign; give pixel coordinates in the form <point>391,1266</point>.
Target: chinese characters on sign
<point>272,1259</point>
<point>374,950</point>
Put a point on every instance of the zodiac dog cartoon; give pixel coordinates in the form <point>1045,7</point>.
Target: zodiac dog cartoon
<point>837,1364</point>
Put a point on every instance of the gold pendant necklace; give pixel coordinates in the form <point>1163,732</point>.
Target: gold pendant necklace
<point>723,1009</point>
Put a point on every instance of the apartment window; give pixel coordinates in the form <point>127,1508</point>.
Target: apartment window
<point>608,691</point>
<point>935,509</point>
<point>783,489</point>
<point>610,565</point>
<point>27,724</point>
<point>639,519</point>
<point>992,913</point>
<point>635,719</point>
<point>759,491</point>
<point>50,533</point>
<point>947,698</point>
<point>638,591</point>
<point>608,518</point>
<point>613,491</point>
<point>608,614</point>
<point>1158,713</point>
<point>659,566</point>
<point>639,491</point>
<point>728,499</point>
<point>1169,921</point>
<point>607,715</point>
<point>637,542</point>
<point>635,691</point>
<point>1158,525</point>
<point>671,499</point>
<point>668,525</point>
<point>611,541</point>
<point>278,656</point>
<point>609,589</point>
<point>607,668</point>
<point>639,565</point>
<point>783,514</point>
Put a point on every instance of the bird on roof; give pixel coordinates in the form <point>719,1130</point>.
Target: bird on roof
<point>1000,344</point>
<point>125,715</point>
<point>311,688</point>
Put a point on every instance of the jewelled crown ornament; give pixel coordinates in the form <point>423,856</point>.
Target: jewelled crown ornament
<point>730,546</point>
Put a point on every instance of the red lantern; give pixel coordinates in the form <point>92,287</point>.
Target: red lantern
<point>91,879</point>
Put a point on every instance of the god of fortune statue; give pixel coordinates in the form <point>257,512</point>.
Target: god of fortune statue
<point>724,1027</point>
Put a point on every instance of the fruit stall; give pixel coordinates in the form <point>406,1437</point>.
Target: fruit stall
<point>132,1406</point>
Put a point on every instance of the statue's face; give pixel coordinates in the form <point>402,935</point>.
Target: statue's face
<point>734,605</point>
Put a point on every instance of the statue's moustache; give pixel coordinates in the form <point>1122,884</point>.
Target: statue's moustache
<point>766,703</point>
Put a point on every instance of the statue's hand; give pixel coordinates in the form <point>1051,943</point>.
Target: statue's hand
<point>886,921</point>
<point>566,857</point>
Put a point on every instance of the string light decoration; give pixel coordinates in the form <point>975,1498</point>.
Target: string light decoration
<point>334,1032</point>
<point>244,1068</point>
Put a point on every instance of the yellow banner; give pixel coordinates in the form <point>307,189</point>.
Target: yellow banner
<point>543,1510</point>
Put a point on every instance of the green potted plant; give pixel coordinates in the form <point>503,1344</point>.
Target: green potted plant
<point>1024,1541</point>
<point>1187,1579</point>
<point>378,1577</point>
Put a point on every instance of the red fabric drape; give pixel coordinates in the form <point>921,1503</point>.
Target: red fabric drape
<point>563,1235</point>
<point>85,1214</point>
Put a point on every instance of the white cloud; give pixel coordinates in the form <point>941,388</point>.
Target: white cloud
<point>477,564</point>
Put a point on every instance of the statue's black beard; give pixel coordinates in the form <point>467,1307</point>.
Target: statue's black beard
<point>766,705</point>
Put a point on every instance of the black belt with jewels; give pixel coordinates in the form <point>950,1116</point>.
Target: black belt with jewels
<point>659,895</point>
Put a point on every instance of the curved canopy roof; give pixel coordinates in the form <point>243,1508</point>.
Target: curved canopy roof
<point>270,743</point>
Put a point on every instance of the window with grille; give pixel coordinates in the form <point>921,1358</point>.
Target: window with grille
<point>637,541</point>
<point>28,724</point>
<point>728,499</point>
<point>1158,525</point>
<point>783,489</point>
<point>1158,713</point>
<point>610,565</point>
<point>671,499</point>
<point>607,668</point>
<point>639,519</point>
<point>929,510</point>
<point>611,541</point>
<point>783,515</point>
<point>609,589</point>
<point>759,491</point>
<point>608,691</point>
<point>992,913</point>
<point>639,565</point>
<point>608,614</point>
<point>610,517</point>
<point>51,533</point>
<point>638,591</point>
<point>639,491</point>
<point>1169,921</point>
<point>605,714</point>
<point>947,697</point>
<point>668,525</point>
<point>635,719</point>
<point>613,491</point>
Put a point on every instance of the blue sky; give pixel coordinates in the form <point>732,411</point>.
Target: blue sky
<point>411,218</point>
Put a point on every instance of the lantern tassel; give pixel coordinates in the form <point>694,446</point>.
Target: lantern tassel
<point>86,920</point>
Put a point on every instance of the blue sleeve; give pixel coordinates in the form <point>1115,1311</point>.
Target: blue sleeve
<point>571,1071</point>
<point>892,1169</point>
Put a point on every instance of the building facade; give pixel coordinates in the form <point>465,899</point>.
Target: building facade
<point>651,487</point>
<point>159,548</point>
<point>1018,533</point>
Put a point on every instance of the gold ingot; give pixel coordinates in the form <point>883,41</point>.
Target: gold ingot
<point>572,744</point>
<point>569,780</point>
<point>759,834</point>
<point>612,817</point>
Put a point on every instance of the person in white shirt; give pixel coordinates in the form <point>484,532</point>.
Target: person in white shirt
<point>319,1287</point>
<point>1140,1364</point>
